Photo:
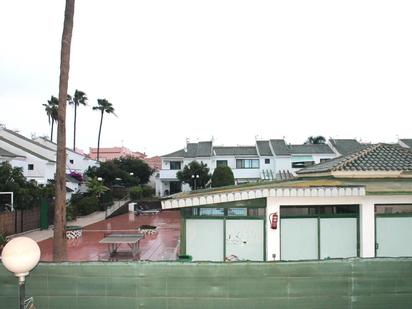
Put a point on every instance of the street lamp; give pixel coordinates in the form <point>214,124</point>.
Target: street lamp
<point>20,256</point>
<point>194,177</point>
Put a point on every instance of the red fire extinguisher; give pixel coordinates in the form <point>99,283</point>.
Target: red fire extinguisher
<point>273,218</point>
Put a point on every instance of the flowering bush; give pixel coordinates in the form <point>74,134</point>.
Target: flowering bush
<point>76,176</point>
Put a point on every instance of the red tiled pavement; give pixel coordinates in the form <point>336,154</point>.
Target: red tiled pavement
<point>162,245</point>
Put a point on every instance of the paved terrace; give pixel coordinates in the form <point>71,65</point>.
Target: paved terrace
<point>161,246</point>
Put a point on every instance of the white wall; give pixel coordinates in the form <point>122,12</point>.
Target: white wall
<point>42,169</point>
<point>282,163</point>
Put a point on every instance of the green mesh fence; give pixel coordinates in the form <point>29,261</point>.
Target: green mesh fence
<point>355,283</point>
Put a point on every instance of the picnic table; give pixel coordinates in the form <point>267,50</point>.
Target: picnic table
<point>115,240</point>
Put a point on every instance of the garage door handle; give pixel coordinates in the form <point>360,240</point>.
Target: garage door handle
<point>376,246</point>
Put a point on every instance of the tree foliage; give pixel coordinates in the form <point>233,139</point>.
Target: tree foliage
<point>103,106</point>
<point>195,168</point>
<point>127,171</point>
<point>26,193</point>
<point>79,98</point>
<point>222,176</point>
<point>316,140</point>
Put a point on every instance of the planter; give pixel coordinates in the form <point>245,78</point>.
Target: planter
<point>73,232</point>
<point>147,229</point>
<point>184,258</point>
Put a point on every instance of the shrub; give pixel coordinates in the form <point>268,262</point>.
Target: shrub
<point>136,193</point>
<point>148,191</point>
<point>3,240</point>
<point>87,205</point>
<point>222,176</point>
<point>71,212</point>
<point>105,200</point>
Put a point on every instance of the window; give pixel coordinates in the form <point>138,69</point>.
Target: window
<point>302,164</point>
<point>308,211</point>
<point>247,163</point>
<point>175,165</point>
<point>30,167</point>
<point>393,209</point>
<point>71,161</point>
<point>324,160</point>
<point>211,212</point>
<point>221,163</point>
<point>267,161</point>
<point>226,212</point>
<point>237,212</point>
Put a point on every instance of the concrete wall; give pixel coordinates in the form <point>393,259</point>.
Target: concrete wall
<point>354,283</point>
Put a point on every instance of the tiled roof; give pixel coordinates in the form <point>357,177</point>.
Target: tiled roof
<point>194,150</point>
<point>5,153</point>
<point>201,149</point>
<point>310,148</point>
<point>235,151</point>
<point>177,154</point>
<point>282,149</point>
<point>378,157</point>
<point>407,142</point>
<point>26,149</point>
<point>346,146</point>
<point>27,139</point>
<point>279,147</point>
<point>264,148</point>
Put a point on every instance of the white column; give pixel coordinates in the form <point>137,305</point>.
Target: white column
<point>367,229</point>
<point>272,236</point>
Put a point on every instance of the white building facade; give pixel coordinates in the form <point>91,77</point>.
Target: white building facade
<point>37,158</point>
<point>266,160</point>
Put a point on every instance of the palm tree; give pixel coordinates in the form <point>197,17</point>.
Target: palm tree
<point>51,109</point>
<point>59,239</point>
<point>103,106</point>
<point>79,98</point>
<point>315,140</point>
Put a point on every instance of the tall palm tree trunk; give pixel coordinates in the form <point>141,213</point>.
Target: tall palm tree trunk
<point>59,240</point>
<point>98,139</point>
<point>74,133</point>
<point>51,133</point>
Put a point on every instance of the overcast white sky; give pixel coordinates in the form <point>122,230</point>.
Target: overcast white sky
<point>228,69</point>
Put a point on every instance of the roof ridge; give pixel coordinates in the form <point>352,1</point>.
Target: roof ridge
<point>357,155</point>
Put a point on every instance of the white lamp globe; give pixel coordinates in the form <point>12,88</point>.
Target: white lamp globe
<point>21,255</point>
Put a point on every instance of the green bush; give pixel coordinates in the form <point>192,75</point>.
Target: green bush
<point>105,200</point>
<point>71,212</point>
<point>136,193</point>
<point>148,191</point>
<point>87,205</point>
<point>222,176</point>
<point>3,240</point>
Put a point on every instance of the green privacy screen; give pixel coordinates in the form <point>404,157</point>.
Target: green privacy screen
<point>373,283</point>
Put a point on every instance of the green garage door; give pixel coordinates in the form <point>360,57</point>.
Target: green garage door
<point>299,239</point>
<point>338,238</point>
<point>393,236</point>
<point>204,239</point>
<point>245,239</point>
<point>318,232</point>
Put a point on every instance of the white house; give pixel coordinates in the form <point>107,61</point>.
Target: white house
<point>266,160</point>
<point>38,166</point>
<point>37,158</point>
<point>75,162</point>
<point>358,205</point>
